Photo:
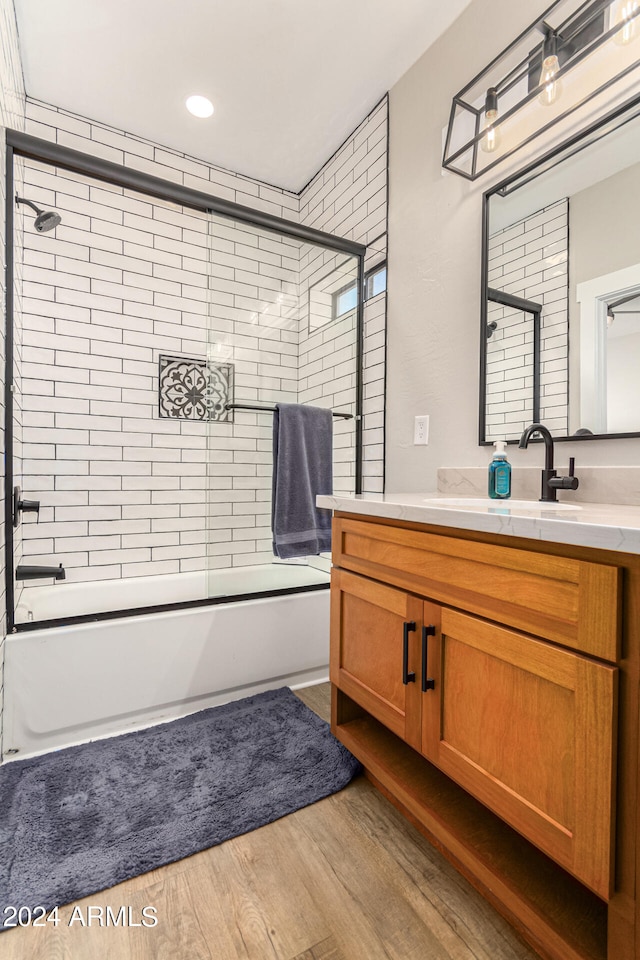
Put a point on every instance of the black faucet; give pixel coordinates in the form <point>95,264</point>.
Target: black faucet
<point>550,482</point>
<point>23,506</point>
<point>28,571</point>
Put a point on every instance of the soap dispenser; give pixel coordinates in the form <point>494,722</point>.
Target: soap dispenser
<point>500,473</point>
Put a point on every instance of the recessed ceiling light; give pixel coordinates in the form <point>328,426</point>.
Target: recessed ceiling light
<point>199,106</point>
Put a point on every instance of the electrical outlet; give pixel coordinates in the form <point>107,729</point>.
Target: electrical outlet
<point>421,430</point>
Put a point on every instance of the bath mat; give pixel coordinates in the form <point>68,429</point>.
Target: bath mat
<point>82,819</point>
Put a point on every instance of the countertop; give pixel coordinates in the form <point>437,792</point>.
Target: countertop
<point>602,525</point>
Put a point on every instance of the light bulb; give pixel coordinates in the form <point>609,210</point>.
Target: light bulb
<point>491,139</point>
<point>551,88</point>
<point>627,18</point>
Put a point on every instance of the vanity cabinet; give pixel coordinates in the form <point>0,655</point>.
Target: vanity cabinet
<point>477,682</point>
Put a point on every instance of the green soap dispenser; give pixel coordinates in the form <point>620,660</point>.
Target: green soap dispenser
<point>500,473</point>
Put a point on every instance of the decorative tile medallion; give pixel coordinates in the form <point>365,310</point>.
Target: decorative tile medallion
<point>193,389</point>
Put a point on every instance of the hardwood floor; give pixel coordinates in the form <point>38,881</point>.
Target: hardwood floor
<point>344,879</point>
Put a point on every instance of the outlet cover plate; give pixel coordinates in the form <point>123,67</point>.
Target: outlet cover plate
<point>421,430</point>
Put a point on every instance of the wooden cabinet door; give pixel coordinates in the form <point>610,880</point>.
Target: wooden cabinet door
<point>529,729</point>
<point>375,650</point>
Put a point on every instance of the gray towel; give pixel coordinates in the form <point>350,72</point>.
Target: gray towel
<point>302,469</point>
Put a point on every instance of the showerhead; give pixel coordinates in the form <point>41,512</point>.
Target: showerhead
<point>45,220</point>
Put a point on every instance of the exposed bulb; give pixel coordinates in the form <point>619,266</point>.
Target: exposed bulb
<point>627,16</point>
<point>491,139</point>
<point>552,88</point>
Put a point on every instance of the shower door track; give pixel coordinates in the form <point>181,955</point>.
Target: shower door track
<point>78,618</point>
<point>33,148</point>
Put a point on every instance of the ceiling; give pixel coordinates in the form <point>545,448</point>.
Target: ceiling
<point>289,79</point>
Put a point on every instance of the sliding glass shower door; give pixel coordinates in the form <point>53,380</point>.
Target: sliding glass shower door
<point>283,327</point>
<point>146,331</point>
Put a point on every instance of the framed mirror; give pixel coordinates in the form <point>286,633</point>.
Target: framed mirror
<point>560,325</point>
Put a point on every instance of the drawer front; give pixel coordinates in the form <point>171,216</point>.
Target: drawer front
<point>530,730</point>
<point>572,602</point>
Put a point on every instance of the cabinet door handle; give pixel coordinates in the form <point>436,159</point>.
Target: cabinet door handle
<point>428,683</point>
<point>407,628</point>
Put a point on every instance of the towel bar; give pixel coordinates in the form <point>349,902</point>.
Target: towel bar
<point>250,406</point>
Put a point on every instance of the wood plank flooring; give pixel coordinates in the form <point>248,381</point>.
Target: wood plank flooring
<point>344,879</point>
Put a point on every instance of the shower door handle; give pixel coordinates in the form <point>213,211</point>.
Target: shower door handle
<point>407,627</point>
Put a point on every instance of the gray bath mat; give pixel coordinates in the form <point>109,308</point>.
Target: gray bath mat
<point>82,819</point>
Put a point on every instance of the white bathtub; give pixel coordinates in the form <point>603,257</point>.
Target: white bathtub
<point>68,684</point>
<point>65,598</point>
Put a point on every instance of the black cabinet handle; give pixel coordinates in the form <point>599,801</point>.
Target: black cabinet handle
<point>428,683</point>
<point>407,628</point>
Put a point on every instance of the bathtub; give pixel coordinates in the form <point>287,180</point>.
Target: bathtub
<point>66,684</point>
<point>66,599</point>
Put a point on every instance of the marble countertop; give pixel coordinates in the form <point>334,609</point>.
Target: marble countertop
<point>601,525</point>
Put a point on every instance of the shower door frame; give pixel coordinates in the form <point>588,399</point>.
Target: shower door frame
<point>33,148</point>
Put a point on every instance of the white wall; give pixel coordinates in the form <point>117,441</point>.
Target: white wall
<point>434,263</point>
<point>11,115</point>
<point>623,383</point>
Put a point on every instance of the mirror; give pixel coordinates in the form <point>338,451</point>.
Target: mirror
<point>563,237</point>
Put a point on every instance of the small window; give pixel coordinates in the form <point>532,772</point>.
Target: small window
<point>345,300</point>
<point>375,281</point>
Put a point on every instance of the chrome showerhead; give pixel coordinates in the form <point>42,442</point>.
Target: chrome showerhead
<point>45,220</point>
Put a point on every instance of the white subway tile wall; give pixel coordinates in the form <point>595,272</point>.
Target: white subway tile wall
<point>529,259</point>
<point>12,111</point>
<point>126,278</point>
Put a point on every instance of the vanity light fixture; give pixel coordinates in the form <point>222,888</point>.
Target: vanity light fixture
<point>199,106</point>
<point>569,62</point>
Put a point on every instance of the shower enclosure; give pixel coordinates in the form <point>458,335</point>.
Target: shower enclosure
<point>152,333</point>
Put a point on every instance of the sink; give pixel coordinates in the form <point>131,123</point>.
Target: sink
<point>486,503</point>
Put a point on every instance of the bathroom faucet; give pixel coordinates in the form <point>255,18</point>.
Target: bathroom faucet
<point>29,571</point>
<point>550,482</point>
